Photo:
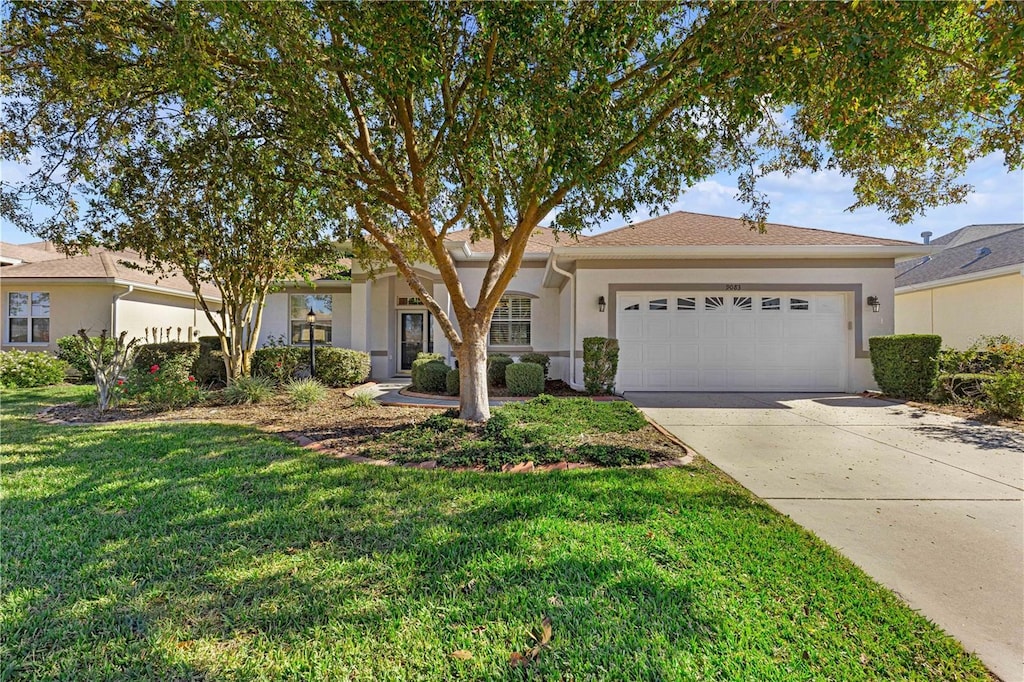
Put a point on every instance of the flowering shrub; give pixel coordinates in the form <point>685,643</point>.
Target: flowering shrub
<point>165,387</point>
<point>19,369</point>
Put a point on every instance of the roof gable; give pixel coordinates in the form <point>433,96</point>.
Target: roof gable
<point>971,233</point>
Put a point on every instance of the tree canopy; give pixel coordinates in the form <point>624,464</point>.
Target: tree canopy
<point>422,118</point>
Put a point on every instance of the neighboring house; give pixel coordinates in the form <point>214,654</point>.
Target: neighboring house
<point>45,295</point>
<point>971,286</point>
<point>697,302</point>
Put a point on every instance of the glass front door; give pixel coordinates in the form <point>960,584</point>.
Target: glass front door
<point>413,338</point>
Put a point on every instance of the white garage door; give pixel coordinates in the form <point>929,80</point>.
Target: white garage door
<point>670,341</point>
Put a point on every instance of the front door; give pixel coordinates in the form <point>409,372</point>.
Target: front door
<point>412,338</point>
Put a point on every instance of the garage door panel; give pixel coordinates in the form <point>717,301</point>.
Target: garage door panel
<point>721,341</point>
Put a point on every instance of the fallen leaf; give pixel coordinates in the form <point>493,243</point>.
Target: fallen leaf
<point>461,655</point>
<point>517,659</point>
<point>554,600</point>
<point>864,659</point>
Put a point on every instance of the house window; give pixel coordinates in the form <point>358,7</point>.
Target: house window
<point>299,306</point>
<point>510,325</point>
<point>28,317</point>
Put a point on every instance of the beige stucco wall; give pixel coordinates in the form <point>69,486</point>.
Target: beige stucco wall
<point>960,313</point>
<point>875,278</point>
<point>140,311</point>
<point>91,307</point>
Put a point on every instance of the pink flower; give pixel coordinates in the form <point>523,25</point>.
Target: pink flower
<point>120,382</point>
<point>154,369</point>
<point>191,378</point>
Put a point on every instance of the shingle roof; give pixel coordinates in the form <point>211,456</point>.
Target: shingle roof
<point>28,253</point>
<point>1005,249</point>
<point>696,229</point>
<point>101,264</point>
<point>541,241</point>
<point>972,233</point>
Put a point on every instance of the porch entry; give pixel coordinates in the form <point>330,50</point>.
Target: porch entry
<point>415,335</point>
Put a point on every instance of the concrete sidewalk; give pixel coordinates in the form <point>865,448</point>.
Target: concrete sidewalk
<point>928,504</point>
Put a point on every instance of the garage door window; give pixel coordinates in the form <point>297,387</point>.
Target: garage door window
<point>659,304</point>
<point>773,303</point>
<point>742,303</point>
<point>686,304</point>
<point>714,303</point>
<point>799,304</point>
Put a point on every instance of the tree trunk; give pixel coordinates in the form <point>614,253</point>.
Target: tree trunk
<point>472,354</point>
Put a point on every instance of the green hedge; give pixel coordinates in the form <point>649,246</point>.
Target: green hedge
<point>525,378</point>
<point>905,365</point>
<point>335,367</point>
<point>537,358</point>
<point>182,355</point>
<point>209,369</point>
<point>496,365</point>
<point>433,377</point>
<point>19,369</point>
<point>452,382</point>
<point>600,364</point>
<point>963,387</point>
<point>71,349</point>
<point>419,365</point>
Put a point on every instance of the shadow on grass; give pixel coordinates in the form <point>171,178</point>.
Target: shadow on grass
<point>190,551</point>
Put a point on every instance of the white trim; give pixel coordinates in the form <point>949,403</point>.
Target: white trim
<point>960,279</point>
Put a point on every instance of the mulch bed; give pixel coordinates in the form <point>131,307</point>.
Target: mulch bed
<point>969,412</point>
<point>555,387</point>
<point>335,425</point>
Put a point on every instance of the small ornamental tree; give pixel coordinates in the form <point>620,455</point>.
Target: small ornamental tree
<point>108,357</point>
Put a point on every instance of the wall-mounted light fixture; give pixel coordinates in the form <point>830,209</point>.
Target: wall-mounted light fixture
<point>600,303</point>
<point>874,303</point>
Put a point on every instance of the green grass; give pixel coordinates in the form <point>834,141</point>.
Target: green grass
<point>543,430</point>
<point>184,551</point>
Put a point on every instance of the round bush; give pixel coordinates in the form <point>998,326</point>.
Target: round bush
<point>433,377</point>
<point>71,349</point>
<point>525,378</point>
<point>452,382</point>
<point>339,367</point>
<point>496,365</point>
<point>537,358</point>
<point>905,365</point>
<point>181,355</point>
<point>19,369</point>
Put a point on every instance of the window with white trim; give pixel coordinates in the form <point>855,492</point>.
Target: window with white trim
<point>510,325</point>
<point>299,306</point>
<point>28,317</point>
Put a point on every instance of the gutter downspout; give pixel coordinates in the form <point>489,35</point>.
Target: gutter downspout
<point>113,309</point>
<point>572,317</point>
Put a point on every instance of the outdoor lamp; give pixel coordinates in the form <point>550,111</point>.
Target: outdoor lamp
<point>874,303</point>
<point>311,318</point>
<point>600,303</point>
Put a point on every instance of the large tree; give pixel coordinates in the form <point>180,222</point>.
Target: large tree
<point>423,118</point>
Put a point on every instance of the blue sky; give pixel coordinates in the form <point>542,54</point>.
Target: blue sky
<point>817,200</point>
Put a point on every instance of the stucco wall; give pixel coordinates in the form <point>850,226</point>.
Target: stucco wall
<point>960,313</point>
<point>90,306</point>
<point>870,278</point>
<point>276,322</point>
<point>142,310</point>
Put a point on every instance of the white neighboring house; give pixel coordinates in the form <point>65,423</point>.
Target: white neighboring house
<point>45,295</point>
<point>971,286</point>
<point>697,302</point>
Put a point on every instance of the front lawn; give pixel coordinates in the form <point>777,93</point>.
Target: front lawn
<point>201,551</point>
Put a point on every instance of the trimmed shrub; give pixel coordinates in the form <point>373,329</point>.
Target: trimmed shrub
<point>20,369</point>
<point>340,367</point>
<point>278,364</point>
<point>525,378</point>
<point>304,393</point>
<point>179,355</point>
<point>335,367</point>
<point>496,365</point>
<point>209,369</point>
<point>418,367</point>
<point>434,377</point>
<point>1005,394</point>
<point>71,349</point>
<point>248,390</point>
<point>537,358</point>
<point>600,364</point>
<point>452,382</point>
<point>905,365</point>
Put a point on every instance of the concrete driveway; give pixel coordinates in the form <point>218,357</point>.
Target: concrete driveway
<point>929,505</point>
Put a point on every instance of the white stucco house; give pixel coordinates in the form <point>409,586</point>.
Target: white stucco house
<point>697,302</point>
